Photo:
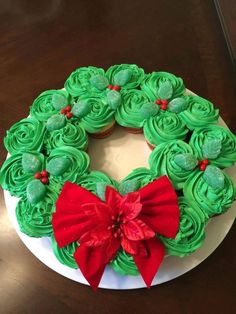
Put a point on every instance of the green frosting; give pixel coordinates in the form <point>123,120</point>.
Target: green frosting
<point>100,116</point>
<point>78,162</point>
<point>142,175</point>
<point>191,232</point>
<point>26,135</point>
<point>152,82</point>
<point>162,162</point>
<point>79,83</point>
<point>66,254</point>
<point>45,105</point>
<point>199,113</point>
<point>128,113</point>
<point>212,201</point>
<point>164,127</point>
<point>127,79</point>
<point>70,135</point>
<point>35,220</point>
<point>124,264</point>
<point>89,181</point>
<point>227,155</point>
<point>13,177</point>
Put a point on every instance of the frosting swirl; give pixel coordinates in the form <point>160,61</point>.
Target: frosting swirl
<point>25,135</point>
<point>137,75</point>
<point>161,161</point>
<point>100,116</point>
<point>70,135</point>
<point>152,82</point>
<point>79,162</point>
<point>227,155</point>
<point>89,181</point>
<point>128,113</point>
<point>42,107</point>
<point>142,175</point>
<point>212,201</point>
<point>78,82</point>
<point>191,232</point>
<point>199,113</point>
<point>124,264</point>
<point>35,220</point>
<point>165,127</point>
<point>66,254</point>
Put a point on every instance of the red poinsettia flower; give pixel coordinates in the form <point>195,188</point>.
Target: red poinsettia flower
<point>129,221</point>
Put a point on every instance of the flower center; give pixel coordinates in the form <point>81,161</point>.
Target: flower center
<point>116,224</point>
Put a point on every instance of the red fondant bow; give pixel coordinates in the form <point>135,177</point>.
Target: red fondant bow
<point>129,222</point>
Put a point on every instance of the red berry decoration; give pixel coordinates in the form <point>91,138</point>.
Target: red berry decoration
<point>205,161</point>
<point>45,180</point>
<point>63,110</point>
<point>68,108</point>
<point>158,102</point>
<point>110,86</point>
<point>116,87</point>
<point>44,173</point>
<point>164,102</point>
<point>69,115</point>
<point>37,175</point>
<point>163,107</point>
<point>202,167</point>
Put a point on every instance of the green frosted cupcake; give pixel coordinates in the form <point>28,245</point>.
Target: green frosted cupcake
<point>220,140</point>
<point>49,103</point>
<point>26,135</point>
<point>78,83</point>
<point>65,255</point>
<point>212,200</point>
<point>199,113</point>
<point>166,160</point>
<point>162,85</point>
<point>124,264</point>
<point>191,232</point>
<point>166,126</point>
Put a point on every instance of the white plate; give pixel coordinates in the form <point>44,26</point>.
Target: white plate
<point>119,159</point>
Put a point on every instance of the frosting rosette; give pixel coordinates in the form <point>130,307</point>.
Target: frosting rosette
<point>152,82</point>
<point>78,82</point>
<point>227,153</point>
<point>100,115</point>
<point>13,177</point>
<point>66,254</point>
<point>199,113</point>
<point>67,163</point>
<point>162,162</point>
<point>128,113</point>
<point>213,201</point>
<point>35,220</point>
<point>71,135</point>
<point>45,105</point>
<point>191,232</point>
<point>138,178</point>
<point>26,135</point>
<point>127,76</point>
<point>165,127</point>
<point>124,264</point>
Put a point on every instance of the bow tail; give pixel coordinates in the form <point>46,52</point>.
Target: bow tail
<point>149,264</point>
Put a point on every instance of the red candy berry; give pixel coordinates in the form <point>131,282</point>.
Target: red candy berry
<point>68,108</point>
<point>116,87</point>
<point>205,161</point>
<point>158,102</point>
<point>202,167</point>
<point>164,102</point>
<point>163,107</point>
<point>69,115</point>
<point>110,86</point>
<point>63,110</point>
<point>44,173</point>
<point>45,180</point>
<point>37,175</point>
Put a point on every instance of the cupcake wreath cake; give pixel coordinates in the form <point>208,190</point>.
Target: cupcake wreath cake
<point>95,222</point>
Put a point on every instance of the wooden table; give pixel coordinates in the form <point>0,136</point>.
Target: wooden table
<point>41,43</point>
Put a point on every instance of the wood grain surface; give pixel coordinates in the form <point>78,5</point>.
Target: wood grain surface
<point>42,42</point>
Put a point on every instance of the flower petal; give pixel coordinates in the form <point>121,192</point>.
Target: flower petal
<point>95,237</point>
<point>136,230</point>
<point>148,265</point>
<point>113,199</point>
<point>130,205</point>
<point>133,247</point>
<point>99,213</point>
